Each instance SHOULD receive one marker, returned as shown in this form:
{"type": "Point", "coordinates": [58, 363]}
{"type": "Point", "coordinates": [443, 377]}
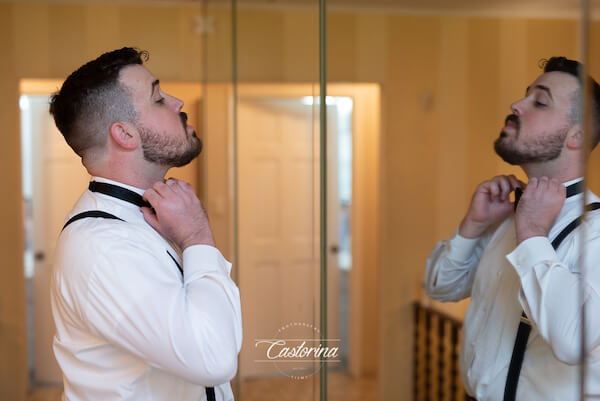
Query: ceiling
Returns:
{"type": "Point", "coordinates": [512, 8]}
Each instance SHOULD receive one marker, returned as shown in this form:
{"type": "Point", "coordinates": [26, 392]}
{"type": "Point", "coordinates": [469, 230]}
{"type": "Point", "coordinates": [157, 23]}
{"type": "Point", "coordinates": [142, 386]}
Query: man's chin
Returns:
{"type": "Point", "coordinates": [506, 154]}
{"type": "Point", "coordinates": [509, 159]}
{"type": "Point", "coordinates": [181, 159]}
{"type": "Point", "coordinates": [190, 155]}
{"type": "Point", "coordinates": [184, 160]}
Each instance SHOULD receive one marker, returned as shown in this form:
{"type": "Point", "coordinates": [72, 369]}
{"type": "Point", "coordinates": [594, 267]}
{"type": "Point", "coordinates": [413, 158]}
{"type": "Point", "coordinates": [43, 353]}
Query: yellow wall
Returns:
{"type": "Point", "coordinates": [13, 369]}
{"type": "Point", "coordinates": [446, 86]}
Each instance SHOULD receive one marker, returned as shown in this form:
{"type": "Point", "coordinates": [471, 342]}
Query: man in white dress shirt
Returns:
{"type": "Point", "coordinates": [143, 302]}
{"type": "Point", "coordinates": [505, 261]}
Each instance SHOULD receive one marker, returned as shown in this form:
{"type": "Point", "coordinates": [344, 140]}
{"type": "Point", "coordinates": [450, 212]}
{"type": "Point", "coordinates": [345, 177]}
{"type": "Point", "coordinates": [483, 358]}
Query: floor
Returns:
{"type": "Point", "coordinates": [45, 394]}
{"type": "Point", "coordinates": [340, 387]}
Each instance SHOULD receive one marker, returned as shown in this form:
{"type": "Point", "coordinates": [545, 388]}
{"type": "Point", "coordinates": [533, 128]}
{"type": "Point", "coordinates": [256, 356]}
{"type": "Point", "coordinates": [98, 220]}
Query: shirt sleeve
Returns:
{"type": "Point", "coordinates": [451, 267]}
{"type": "Point", "coordinates": [191, 329]}
{"type": "Point", "coordinates": [553, 293]}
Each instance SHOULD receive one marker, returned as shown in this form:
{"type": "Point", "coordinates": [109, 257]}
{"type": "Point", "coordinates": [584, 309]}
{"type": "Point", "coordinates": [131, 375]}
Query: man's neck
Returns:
{"type": "Point", "coordinates": [142, 183]}
{"type": "Point", "coordinates": [131, 175]}
{"type": "Point", "coordinates": [556, 172]}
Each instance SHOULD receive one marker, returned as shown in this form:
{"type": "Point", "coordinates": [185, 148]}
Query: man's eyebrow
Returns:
{"type": "Point", "coordinates": [155, 84]}
{"type": "Point", "coordinates": [542, 87]}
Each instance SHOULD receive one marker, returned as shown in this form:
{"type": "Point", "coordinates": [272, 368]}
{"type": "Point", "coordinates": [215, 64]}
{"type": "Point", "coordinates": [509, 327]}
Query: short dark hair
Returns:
{"type": "Point", "coordinates": [575, 68]}
{"type": "Point", "coordinates": [91, 99]}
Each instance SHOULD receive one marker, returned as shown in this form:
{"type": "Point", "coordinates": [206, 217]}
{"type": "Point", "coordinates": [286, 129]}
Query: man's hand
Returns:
{"type": "Point", "coordinates": [179, 215]}
{"type": "Point", "coordinates": [490, 205]}
{"type": "Point", "coordinates": [538, 208]}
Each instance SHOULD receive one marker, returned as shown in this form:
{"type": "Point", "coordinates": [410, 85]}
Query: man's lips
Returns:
{"type": "Point", "coordinates": [512, 122]}
{"type": "Point", "coordinates": [184, 119]}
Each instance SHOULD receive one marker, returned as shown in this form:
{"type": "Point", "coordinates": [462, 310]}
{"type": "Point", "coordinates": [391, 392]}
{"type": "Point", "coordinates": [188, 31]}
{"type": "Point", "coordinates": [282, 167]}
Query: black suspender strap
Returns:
{"type": "Point", "coordinates": [516, 360]}
{"type": "Point", "coordinates": [573, 225]}
{"type": "Point", "coordinates": [176, 262]}
{"type": "Point", "coordinates": [90, 213]}
{"type": "Point", "coordinates": [210, 391]}
{"type": "Point", "coordinates": [210, 394]}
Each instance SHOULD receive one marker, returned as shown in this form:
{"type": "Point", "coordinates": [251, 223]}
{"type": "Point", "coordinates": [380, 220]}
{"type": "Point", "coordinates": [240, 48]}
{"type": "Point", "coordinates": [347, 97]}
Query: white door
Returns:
{"type": "Point", "coordinates": [58, 181]}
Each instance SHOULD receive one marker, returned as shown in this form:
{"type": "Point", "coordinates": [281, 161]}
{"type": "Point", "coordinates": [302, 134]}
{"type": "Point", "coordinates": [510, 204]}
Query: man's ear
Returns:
{"type": "Point", "coordinates": [124, 134]}
{"type": "Point", "coordinates": [575, 137]}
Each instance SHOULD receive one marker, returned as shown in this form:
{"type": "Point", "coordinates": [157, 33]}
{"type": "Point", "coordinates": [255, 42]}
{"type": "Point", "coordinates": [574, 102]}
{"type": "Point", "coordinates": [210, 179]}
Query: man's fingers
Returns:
{"type": "Point", "coordinates": [162, 188]}
{"type": "Point", "coordinates": [184, 190]}
{"type": "Point", "coordinates": [179, 214]}
{"type": "Point", "coordinates": [500, 187]}
{"type": "Point", "coordinates": [151, 196]}
{"type": "Point", "coordinates": [175, 187]}
{"type": "Point", "coordinates": [505, 188]}
{"type": "Point", "coordinates": [532, 185]}
{"type": "Point", "coordinates": [544, 185]}
{"type": "Point", "coordinates": [555, 186]}
{"type": "Point", "coordinates": [185, 186]}
{"type": "Point", "coordinates": [180, 187]}
{"type": "Point", "coordinates": [493, 189]}
{"type": "Point", "coordinates": [515, 182]}
{"type": "Point", "coordinates": [149, 216]}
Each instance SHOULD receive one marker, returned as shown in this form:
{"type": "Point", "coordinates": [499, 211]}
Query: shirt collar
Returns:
{"type": "Point", "coordinates": [566, 184]}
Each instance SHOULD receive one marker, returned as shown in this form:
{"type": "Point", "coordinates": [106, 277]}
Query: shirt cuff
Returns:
{"type": "Point", "coordinates": [199, 260]}
{"type": "Point", "coordinates": [461, 248]}
{"type": "Point", "coordinates": [531, 252]}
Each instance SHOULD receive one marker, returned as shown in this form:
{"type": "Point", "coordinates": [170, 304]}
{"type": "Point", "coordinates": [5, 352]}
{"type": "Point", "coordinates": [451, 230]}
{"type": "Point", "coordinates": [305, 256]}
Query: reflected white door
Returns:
{"type": "Point", "coordinates": [278, 219]}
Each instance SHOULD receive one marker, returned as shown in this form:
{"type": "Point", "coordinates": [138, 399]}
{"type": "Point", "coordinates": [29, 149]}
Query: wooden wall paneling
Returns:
{"type": "Point", "coordinates": [13, 338]}
{"type": "Point", "coordinates": [66, 31]}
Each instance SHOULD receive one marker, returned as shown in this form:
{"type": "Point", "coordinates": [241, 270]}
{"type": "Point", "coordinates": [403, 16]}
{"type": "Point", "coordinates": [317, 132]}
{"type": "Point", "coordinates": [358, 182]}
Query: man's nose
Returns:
{"type": "Point", "coordinates": [516, 107]}
{"type": "Point", "coordinates": [178, 103]}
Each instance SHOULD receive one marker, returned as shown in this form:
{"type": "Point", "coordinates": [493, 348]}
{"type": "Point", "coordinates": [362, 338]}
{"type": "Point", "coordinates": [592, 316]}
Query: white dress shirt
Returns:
{"type": "Point", "coordinates": [503, 279]}
{"type": "Point", "coordinates": [129, 325]}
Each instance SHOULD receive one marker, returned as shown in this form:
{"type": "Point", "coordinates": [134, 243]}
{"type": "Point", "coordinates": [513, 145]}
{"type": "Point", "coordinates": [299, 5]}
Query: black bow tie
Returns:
{"type": "Point", "coordinates": [572, 190]}
{"type": "Point", "coordinates": [118, 192]}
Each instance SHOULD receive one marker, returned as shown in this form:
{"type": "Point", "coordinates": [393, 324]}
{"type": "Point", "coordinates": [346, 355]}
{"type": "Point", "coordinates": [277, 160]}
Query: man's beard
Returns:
{"type": "Point", "coordinates": [541, 150]}
{"type": "Point", "coordinates": [168, 151]}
